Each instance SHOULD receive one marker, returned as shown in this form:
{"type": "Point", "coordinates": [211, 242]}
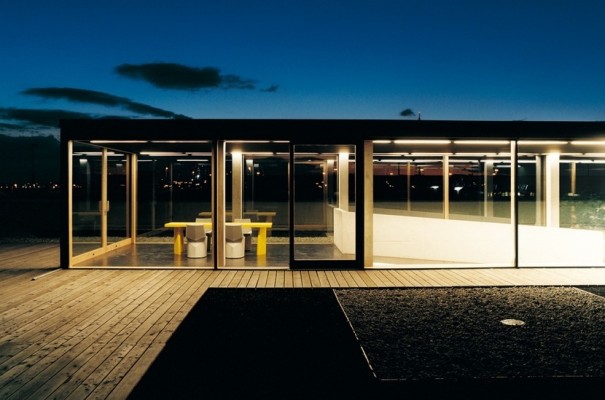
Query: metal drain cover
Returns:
{"type": "Point", "coordinates": [515, 322]}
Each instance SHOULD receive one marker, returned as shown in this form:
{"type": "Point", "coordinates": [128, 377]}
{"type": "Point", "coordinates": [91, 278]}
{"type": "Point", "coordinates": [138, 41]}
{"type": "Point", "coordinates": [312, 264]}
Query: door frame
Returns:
{"type": "Point", "coordinates": [358, 261]}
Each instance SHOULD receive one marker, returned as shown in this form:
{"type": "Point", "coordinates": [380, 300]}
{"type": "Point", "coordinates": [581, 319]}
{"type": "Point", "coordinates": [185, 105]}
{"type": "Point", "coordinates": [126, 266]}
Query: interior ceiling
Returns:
{"type": "Point", "coordinates": [397, 150]}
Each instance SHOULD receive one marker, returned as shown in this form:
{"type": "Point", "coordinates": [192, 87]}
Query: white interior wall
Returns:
{"type": "Point", "coordinates": [472, 241]}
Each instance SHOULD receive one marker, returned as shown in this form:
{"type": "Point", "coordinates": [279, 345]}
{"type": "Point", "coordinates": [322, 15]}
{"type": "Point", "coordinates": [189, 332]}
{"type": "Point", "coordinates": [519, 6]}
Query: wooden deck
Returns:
{"type": "Point", "coordinates": [75, 334]}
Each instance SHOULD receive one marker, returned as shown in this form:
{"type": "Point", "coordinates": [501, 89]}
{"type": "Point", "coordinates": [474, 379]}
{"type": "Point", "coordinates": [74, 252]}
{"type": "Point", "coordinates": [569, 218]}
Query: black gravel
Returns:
{"type": "Point", "coordinates": [432, 337]}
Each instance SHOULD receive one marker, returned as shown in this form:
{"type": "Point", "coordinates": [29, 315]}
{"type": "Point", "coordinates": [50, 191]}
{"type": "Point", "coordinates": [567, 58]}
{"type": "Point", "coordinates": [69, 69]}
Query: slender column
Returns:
{"type": "Point", "coordinates": [573, 177]}
{"type": "Point", "coordinates": [103, 205]}
{"type": "Point", "coordinates": [343, 181]}
{"type": "Point", "coordinates": [134, 194]}
{"type": "Point", "coordinates": [488, 191]}
{"type": "Point", "coordinates": [237, 180]}
{"type": "Point", "coordinates": [368, 204]}
{"type": "Point", "coordinates": [68, 253]}
{"type": "Point", "coordinates": [514, 216]}
{"type": "Point", "coordinates": [552, 190]}
{"type": "Point", "coordinates": [446, 186]}
{"type": "Point", "coordinates": [540, 182]}
{"type": "Point", "coordinates": [408, 179]}
{"type": "Point", "coordinates": [218, 225]}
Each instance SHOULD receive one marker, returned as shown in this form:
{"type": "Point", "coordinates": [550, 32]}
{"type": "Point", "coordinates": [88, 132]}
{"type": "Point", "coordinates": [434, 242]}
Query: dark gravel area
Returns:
{"type": "Point", "coordinates": [405, 344]}
{"type": "Point", "coordinates": [453, 337]}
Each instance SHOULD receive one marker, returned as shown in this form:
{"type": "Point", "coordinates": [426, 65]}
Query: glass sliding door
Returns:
{"type": "Point", "coordinates": [324, 207]}
{"type": "Point", "coordinates": [257, 201]}
{"type": "Point", "coordinates": [86, 173]}
{"type": "Point", "coordinates": [118, 199]}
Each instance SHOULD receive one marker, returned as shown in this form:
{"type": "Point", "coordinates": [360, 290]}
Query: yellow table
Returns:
{"type": "Point", "coordinates": [179, 237]}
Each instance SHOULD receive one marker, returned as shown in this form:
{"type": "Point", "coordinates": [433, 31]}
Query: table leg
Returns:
{"type": "Point", "coordinates": [261, 242]}
{"type": "Point", "coordinates": [179, 241]}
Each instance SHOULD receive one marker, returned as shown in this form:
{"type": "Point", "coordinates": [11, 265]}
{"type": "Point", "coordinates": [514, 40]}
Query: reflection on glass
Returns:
{"type": "Point", "coordinates": [86, 172]}
{"type": "Point", "coordinates": [425, 217]}
{"type": "Point", "coordinates": [257, 192]}
{"type": "Point", "coordinates": [562, 203]}
{"type": "Point", "coordinates": [324, 202]}
{"type": "Point", "coordinates": [117, 196]}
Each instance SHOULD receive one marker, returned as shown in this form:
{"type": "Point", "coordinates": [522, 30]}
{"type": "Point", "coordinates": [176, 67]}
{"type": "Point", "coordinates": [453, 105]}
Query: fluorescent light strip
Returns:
{"type": "Point", "coordinates": [382, 141]}
{"type": "Point", "coordinates": [472, 142]}
{"type": "Point", "coordinates": [180, 141]}
{"type": "Point", "coordinates": [192, 160]}
{"type": "Point", "coordinates": [163, 153]}
{"type": "Point", "coordinates": [541, 142]}
{"type": "Point", "coordinates": [589, 142]}
{"type": "Point", "coordinates": [422, 141]}
{"type": "Point", "coordinates": [477, 154]}
{"type": "Point", "coordinates": [118, 141]}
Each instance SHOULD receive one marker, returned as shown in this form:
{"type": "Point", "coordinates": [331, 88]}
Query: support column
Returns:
{"type": "Point", "coordinates": [103, 204]}
{"type": "Point", "coordinates": [488, 191]}
{"type": "Point", "coordinates": [514, 200]}
{"type": "Point", "coordinates": [408, 182]}
{"type": "Point", "coordinates": [540, 182]}
{"type": "Point", "coordinates": [552, 190]}
{"type": "Point", "coordinates": [343, 181]}
{"type": "Point", "coordinates": [368, 204]}
{"type": "Point", "coordinates": [446, 186]}
{"type": "Point", "coordinates": [237, 179]}
{"type": "Point", "coordinates": [218, 223]}
{"type": "Point", "coordinates": [573, 184]}
{"type": "Point", "coordinates": [134, 194]}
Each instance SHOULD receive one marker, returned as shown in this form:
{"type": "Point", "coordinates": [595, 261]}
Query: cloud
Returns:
{"type": "Point", "coordinates": [271, 89]}
{"type": "Point", "coordinates": [42, 118]}
{"type": "Point", "coordinates": [182, 77]}
{"type": "Point", "coordinates": [104, 99]}
{"type": "Point", "coordinates": [11, 127]}
{"type": "Point", "coordinates": [408, 112]}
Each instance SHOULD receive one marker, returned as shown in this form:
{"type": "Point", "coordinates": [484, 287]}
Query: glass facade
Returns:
{"type": "Point", "coordinates": [561, 203]}
{"type": "Point", "coordinates": [426, 217]}
{"type": "Point", "coordinates": [441, 199]}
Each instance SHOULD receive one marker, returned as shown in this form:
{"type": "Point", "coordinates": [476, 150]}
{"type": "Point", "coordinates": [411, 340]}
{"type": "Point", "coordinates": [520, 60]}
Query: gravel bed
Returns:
{"type": "Point", "coordinates": [456, 333]}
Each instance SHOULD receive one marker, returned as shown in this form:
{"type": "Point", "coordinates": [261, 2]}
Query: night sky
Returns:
{"type": "Point", "coordinates": [462, 60]}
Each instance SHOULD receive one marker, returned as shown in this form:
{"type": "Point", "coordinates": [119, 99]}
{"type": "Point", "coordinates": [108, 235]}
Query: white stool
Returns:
{"type": "Point", "coordinates": [197, 246]}
{"type": "Point", "coordinates": [234, 241]}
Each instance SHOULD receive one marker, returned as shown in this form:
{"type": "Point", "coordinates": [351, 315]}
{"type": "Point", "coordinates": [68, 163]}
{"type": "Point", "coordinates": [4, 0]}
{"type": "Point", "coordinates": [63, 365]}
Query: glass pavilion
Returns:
{"type": "Point", "coordinates": [335, 193]}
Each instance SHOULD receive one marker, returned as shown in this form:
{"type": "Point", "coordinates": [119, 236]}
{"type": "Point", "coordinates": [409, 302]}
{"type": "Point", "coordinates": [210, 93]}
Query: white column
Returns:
{"type": "Point", "coordinates": [237, 161]}
{"type": "Point", "coordinates": [552, 190]}
{"type": "Point", "coordinates": [446, 186]}
{"type": "Point", "coordinates": [343, 181]}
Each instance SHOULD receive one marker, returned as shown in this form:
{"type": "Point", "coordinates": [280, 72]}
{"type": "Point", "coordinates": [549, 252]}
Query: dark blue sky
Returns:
{"type": "Point", "coordinates": [494, 60]}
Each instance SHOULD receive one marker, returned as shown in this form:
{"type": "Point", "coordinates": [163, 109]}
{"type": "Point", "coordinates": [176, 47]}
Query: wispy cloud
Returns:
{"type": "Point", "coordinates": [100, 98]}
{"type": "Point", "coordinates": [270, 89]}
{"type": "Point", "coordinates": [40, 117]}
{"type": "Point", "coordinates": [182, 77]}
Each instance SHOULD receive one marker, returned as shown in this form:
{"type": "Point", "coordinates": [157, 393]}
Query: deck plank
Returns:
{"type": "Point", "coordinates": [92, 333]}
